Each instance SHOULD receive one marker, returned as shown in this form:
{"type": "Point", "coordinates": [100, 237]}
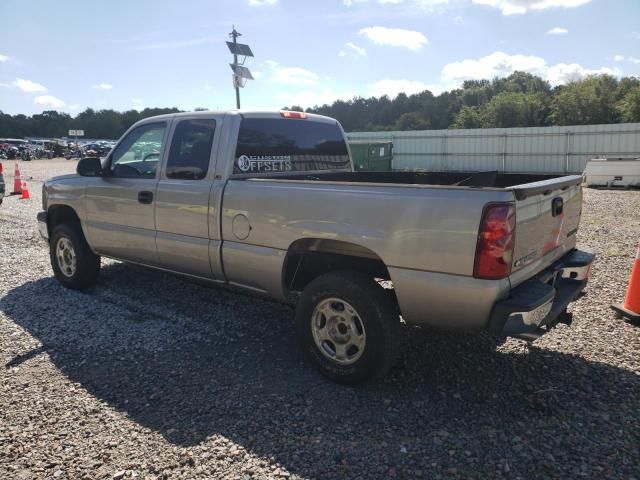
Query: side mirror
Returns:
{"type": "Point", "coordinates": [89, 167]}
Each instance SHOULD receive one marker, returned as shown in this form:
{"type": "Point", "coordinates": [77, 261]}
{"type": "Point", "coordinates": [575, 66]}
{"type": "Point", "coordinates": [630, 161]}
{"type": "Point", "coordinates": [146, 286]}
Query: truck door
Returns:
{"type": "Point", "coordinates": [120, 206]}
{"type": "Point", "coordinates": [182, 198]}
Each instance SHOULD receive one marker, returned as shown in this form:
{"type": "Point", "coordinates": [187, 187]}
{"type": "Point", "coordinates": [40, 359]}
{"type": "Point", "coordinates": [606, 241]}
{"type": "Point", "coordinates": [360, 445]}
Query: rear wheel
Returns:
{"type": "Point", "coordinates": [348, 327]}
{"type": "Point", "coordinates": [74, 264]}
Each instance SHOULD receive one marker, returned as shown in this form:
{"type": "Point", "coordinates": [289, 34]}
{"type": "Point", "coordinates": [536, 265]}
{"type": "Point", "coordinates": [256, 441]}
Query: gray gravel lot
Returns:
{"type": "Point", "coordinates": [152, 376]}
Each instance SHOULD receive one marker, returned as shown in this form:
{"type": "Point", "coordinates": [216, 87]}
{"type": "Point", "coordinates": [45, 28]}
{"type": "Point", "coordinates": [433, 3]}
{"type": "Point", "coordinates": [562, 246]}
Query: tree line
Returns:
{"type": "Point", "coordinates": [519, 100]}
{"type": "Point", "coordinates": [105, 124]}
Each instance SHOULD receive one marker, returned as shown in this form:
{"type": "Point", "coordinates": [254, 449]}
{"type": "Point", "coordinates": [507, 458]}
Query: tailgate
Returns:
{"type": "Point", "coordinates": [547, 216]}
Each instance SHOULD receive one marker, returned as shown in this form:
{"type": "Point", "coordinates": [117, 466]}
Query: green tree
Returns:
{"type": "Point", "coordinates": [411, 121]}
{"type": "Point", "coordinates": [509, 109]}
{"type": "Point", "coordinates": [629, 106]}
{"type": "Point", "coordinates": [468, 117]}
{"type": "Point", "coordinates": [587, 102]}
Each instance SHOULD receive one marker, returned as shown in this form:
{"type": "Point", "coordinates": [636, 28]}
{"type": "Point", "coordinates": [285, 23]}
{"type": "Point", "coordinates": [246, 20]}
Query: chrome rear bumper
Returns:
{"type": "Point", "coordinates": [539, 304]}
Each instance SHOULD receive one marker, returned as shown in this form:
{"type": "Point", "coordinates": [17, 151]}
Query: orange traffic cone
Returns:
{"type": "Point", "coordinates": [25, 192]}
{"type": "Point", "coordinates": [630, 309]}
{"type": "Point", "coordinates": [17, 181]}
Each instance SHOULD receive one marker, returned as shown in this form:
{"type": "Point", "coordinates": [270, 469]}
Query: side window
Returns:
{"type": "Point", "coordinates": [191, 149]}
{"type": "Point", "coordinates": [139, 153]}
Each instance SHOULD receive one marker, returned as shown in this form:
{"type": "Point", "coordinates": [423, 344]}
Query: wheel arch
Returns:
{"type": "Point", "coordinates": [59, 214]}
{"type": "Point", "coordinates": [309, 258]}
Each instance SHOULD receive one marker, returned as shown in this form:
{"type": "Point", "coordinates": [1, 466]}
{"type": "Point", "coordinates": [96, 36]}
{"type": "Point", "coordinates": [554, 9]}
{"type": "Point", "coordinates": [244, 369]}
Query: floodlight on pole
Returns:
{"type": "Point", "coordinates": [240, 74]}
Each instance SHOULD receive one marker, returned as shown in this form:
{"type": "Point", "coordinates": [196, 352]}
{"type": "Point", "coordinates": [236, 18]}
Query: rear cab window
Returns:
{"type": "Point", "coordinates": [268, 145]}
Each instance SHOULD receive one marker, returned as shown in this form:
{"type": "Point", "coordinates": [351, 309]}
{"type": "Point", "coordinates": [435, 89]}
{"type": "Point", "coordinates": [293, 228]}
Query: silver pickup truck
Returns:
{"type": "Point", "coordinates": [269, 202]}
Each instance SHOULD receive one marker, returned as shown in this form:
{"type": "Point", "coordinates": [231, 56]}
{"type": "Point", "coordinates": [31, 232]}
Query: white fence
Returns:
{"type": "Point", "coordinates": [537, 149]}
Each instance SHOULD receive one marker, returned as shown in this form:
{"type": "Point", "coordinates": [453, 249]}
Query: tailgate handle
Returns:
{"type": "Point", "coordinates": [557, 205]}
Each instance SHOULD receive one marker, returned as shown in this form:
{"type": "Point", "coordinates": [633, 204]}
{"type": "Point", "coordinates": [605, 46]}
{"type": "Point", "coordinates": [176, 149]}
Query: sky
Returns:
{"type": "Point", "coordinates": [68, 55]}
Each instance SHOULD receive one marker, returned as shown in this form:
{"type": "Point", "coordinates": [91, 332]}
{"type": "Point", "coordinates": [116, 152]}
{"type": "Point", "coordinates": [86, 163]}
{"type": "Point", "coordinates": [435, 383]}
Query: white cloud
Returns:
{"type": "Point", "coordinates": [395, 37]}
{"type": "Point", "coordinates": [103, 86]}
{"type": "Point", "coordinates": [312, 98]}
{"type": "Point", "coordinates": [517, 7]}
{"type": "Point", "coordinates": [74, 106]}
{"type": "Point", "coordinates": [500, 64]}
{"type": "Point", "coordinates": [353, 47]}
{"type": "Point", "coordinates": [138, 104]}
{"type": "Point", "coordinates": [3, 58]}
{"type": "Point", "coordinates": [621, 58]}
{"type": "Point", "coordinates": [48, 101]}
{"type": "Point", "coordinates": [193, 42]}
{"type": "Point", "coordinates": [458, 20]}
{"type": "Point", "coordinates": [564, 73]}
{"type": "Point", "coordinates": [260, 3]}
{"type": "Point", "coordinates": [289, 75]}
{"type": "Point", "coordinates": [5, 85]}
{"type": "Point", "coordinates": [424, 4]}
{"type": "Point", "coordinates": [28, 86]}
{"type": "Point", "coordinates": [295, 76]}
{"type": "Point", "coordinates": [393, 87]}
{"type": "Point", "coordinates": [635, 35]}
{"type": "Point", "coordinates": [558, 31]}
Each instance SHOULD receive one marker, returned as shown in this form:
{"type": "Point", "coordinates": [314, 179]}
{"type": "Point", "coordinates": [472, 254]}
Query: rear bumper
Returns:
{"type": "Point", "coordinates": [539, 304]}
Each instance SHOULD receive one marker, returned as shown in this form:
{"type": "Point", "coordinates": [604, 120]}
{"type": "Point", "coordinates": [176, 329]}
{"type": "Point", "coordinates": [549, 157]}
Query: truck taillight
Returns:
{"type": "Point", "coordinates": [287, 114]}
{"type": "Point", "coordinates": [1, 167]}
{"type": "Point", "coordinates": [496, 240]}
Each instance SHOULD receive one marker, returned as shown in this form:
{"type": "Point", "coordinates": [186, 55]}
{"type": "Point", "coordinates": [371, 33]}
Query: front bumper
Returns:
{"type": "Point", "coordinates": [539, 304]}
{"type": "Point", "coordinates": [43, 225]}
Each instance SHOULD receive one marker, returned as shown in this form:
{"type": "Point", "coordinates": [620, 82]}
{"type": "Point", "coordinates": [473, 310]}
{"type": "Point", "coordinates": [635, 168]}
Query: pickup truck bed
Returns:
{"type": "Point", "coordinates": [522, 184]}
{"type": "Point", "coordinates": [422, 227]}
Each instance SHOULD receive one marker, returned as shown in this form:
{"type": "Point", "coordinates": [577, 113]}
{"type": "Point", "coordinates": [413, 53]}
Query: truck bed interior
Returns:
{"type": "Point", "coordinates": [491, 179]}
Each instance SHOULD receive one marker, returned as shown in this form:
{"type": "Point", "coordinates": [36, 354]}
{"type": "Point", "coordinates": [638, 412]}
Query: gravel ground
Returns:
{"type": "Point", "coordinates": [152, 376]}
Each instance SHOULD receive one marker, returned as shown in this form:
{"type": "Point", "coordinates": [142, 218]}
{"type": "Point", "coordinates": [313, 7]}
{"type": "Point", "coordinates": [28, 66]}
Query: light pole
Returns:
{"type": "Point", "coordinates": [234, 34]}
{"type": "Point", "coordinates": [240, 73]}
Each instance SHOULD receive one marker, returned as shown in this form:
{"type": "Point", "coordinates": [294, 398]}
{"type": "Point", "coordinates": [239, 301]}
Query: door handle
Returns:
{"type": "Point", "coordinates": [145, 197]}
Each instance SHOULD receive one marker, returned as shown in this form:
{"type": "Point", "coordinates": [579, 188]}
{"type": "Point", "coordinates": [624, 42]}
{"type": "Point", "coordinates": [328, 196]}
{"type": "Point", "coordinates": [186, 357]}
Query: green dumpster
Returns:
{"type": "Point", "coordinates": [371, 156]}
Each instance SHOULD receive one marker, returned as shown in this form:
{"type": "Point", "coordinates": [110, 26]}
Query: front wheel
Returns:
{"type": "Point", "coordinates": [348, 327]}
{"type": "Point", "coordinates": [74, 264]}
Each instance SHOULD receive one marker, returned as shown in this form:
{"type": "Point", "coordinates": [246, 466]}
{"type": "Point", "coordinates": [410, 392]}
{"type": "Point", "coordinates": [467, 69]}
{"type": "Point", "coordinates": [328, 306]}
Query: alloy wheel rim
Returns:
{"type": "Point", "coordinates": [66, 256]}
{"type": "Point", "coordinates": [338, 331]}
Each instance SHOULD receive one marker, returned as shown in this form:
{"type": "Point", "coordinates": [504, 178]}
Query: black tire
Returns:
{"type": "Point", "coordinates": [377, 314]}
{"type": "Point", "coordinates": [87, 263]}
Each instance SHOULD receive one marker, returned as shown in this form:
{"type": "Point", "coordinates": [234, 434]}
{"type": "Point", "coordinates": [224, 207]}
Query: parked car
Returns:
{"type": "Point", "coordinates": [270, 202]}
